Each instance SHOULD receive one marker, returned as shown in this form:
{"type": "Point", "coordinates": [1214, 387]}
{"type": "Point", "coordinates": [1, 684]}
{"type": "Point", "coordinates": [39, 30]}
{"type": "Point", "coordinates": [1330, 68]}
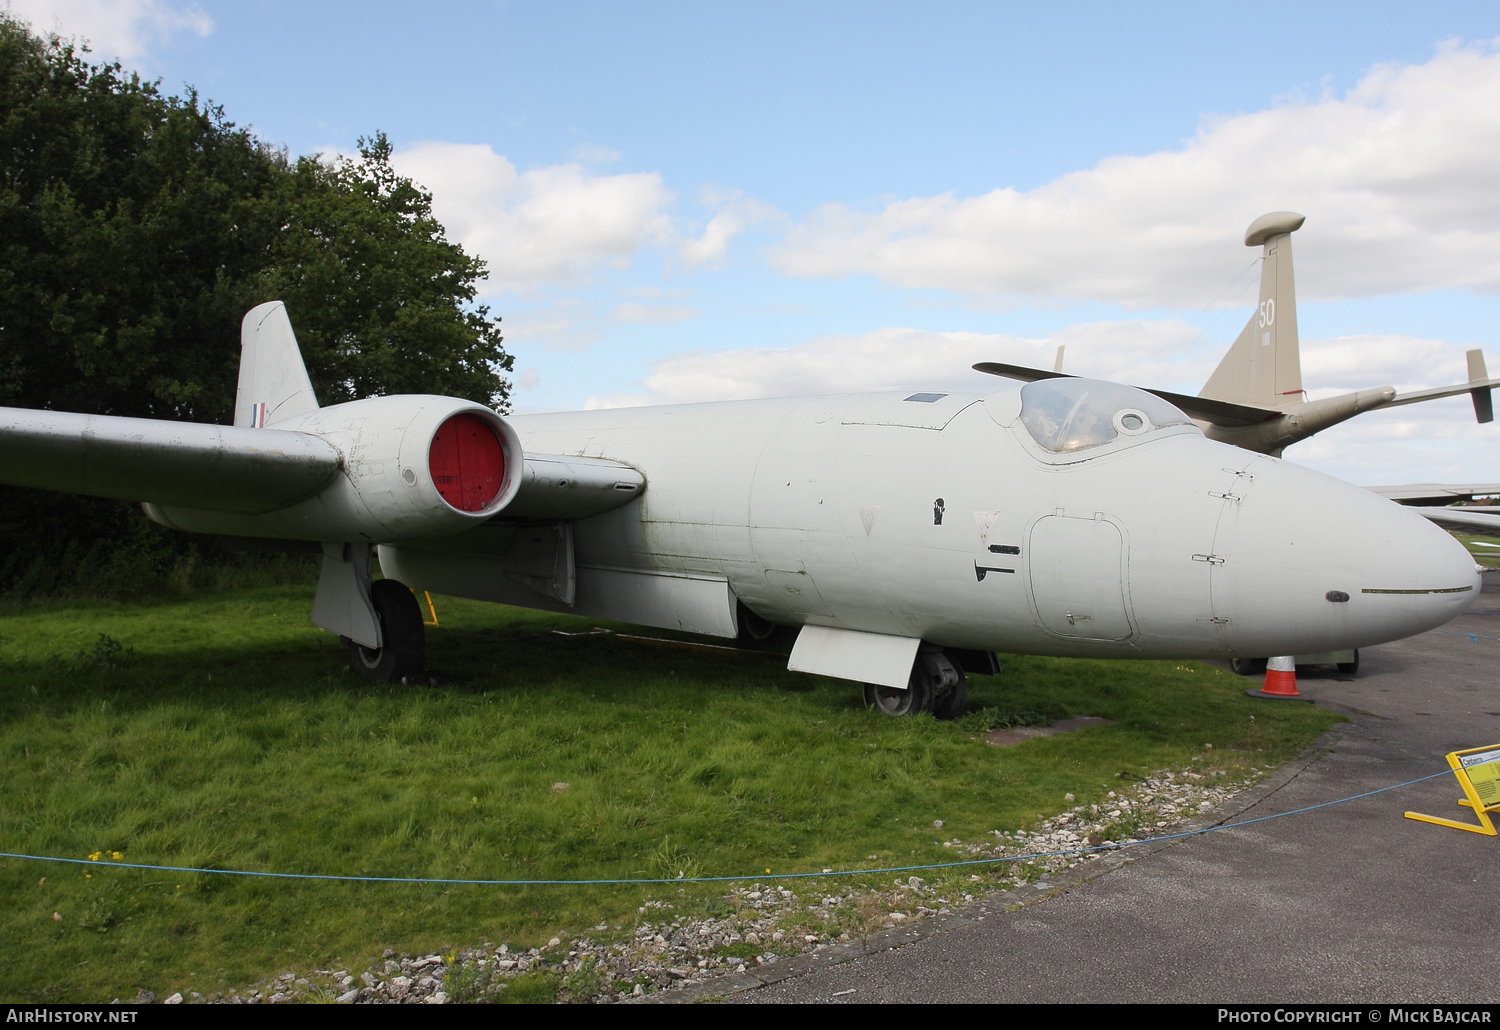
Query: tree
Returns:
{"type": "Point", "coordinates": [380, 300]}
{"type": "Point", "coordinates": [136, 229]}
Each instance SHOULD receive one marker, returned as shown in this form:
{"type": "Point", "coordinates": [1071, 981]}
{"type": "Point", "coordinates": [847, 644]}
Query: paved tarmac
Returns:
{"type": "Point", "coordinates": [1349, 904]}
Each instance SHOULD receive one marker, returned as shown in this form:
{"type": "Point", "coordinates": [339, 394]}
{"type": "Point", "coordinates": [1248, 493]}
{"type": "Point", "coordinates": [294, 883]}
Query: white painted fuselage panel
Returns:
{"type": "Point", "coordinates": [951, 525]}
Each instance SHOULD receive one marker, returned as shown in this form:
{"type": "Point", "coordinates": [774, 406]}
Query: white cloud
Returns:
{"type": "Point", "coordinates": [1397, 178]}
{"type": "Point", "coordinates": [653, 314]}
{"type": "Point", "coordinates": [906, 359]}
{"type": "Point", "coordinates": [548, 224]}
{"type": "Point", "coordinates": [567, 325]}
{"type": "Point", "coordinates": [596, 154]}
{"type": "Point", "coordinates": [529, 379]}
{"type": "Point", "coordinates": [1346, 363]}
{"type": "Point", "coordinates": [572, 324]}
{"type": "Point", "coordinates": [735, 214]}
{"type": "Point", "coordinates": [123, 29]}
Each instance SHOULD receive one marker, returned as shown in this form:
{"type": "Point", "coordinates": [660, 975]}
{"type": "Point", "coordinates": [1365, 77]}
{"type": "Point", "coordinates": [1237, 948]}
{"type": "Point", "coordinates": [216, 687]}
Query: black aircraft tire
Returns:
{"type": "Point", "coordinates": [950, 706]}
{"type": "Point", "coordinates": [757, 634]}
{"type": "Point", "coordinates": [1248, 666]}
{"type": "Point", "coordinates": [404, 640]}
{"type": "Point", "coordinates": [1350, 668]}
{"type": "Point", "coordinates": [898, 703]}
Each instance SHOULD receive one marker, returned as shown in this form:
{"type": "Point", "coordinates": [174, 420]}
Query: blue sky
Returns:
{"type": "Point", "coordinates": [696, 201]}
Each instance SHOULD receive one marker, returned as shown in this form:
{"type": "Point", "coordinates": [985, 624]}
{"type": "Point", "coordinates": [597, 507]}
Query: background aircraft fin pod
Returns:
{"type": "Point", "coordinates": [1264, 366]}
{"type": "Point", "coordinates": [273, 382]}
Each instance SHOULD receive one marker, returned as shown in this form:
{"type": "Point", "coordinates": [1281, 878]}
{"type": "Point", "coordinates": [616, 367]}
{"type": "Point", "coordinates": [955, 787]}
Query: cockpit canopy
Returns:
{"type": "Point", "coordinates": [1066, 415]}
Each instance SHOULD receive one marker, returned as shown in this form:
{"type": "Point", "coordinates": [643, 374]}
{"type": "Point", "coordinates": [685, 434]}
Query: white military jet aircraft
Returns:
{"type": "Point", "coordinates": [906, 537]}
{"type": "Point", "coordinates": [1255, 399]}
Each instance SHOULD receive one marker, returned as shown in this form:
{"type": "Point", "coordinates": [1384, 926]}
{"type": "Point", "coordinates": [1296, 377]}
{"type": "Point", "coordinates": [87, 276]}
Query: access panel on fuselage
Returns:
{"type": "Point", "coordinates": [922, 509]}
{"type": "Point", "coordinates": [1077, 569]}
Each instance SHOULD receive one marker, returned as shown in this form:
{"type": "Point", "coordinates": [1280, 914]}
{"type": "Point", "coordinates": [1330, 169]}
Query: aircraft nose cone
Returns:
{"type": "Point", "coordinates": [1320, 565]}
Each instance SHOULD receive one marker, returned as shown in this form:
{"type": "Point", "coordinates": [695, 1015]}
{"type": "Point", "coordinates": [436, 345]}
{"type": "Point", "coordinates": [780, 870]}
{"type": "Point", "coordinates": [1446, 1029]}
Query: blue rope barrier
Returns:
{"type": "Point", "coordinates": [717, 879]}
{"type": "Point", "coordinates": [1473, 637]}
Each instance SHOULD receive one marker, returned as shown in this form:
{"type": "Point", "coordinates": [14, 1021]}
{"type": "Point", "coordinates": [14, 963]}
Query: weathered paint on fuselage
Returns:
{"type": "Point", "coordinates": [823, 511]}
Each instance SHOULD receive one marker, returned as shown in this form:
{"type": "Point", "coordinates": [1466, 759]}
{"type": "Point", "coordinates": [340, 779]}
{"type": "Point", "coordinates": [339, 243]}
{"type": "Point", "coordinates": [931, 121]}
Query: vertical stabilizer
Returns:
{"type": "Point", "coordinates": [273, 381]}
{"type": "Point", "coordinates": [1264, 367]}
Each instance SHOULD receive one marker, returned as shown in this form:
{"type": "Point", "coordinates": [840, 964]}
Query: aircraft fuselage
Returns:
{"type": "Point", "coordinates": [945, 520]}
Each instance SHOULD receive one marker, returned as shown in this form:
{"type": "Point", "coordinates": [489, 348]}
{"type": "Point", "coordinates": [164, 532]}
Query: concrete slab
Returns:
{"type": "Point", "coordinates": [1349, 904]}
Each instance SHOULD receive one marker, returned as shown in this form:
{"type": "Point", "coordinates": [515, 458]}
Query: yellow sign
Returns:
{"type": "Point", "coordinates": [1478, 772]}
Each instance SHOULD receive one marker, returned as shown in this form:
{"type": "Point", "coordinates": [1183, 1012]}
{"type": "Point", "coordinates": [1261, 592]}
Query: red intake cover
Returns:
{"type": "Point", "coordinates": [466, 462]}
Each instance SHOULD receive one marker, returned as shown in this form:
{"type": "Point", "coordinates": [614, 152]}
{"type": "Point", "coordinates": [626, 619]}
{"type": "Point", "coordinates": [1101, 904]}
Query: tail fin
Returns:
{"type": "Point", "coordinates": [1264, 367]}
{"type": "Point", "coordinates": [273, 381]}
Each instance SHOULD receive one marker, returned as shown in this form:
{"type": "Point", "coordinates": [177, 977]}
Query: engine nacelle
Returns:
{"type": "Point", "coordinates": [413, 466]}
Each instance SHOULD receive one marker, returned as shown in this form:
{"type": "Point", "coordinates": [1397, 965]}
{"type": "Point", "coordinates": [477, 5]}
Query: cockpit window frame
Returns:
{"type": "Point", "coordinates": [1096, 435]}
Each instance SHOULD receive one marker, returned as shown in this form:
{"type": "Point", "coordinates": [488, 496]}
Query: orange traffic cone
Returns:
{"type": "Point", "coordinates": [1281, 680]}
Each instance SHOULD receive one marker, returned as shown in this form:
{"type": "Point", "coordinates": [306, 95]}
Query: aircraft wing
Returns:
{"type": "Point", "coordinates": [219, 468]}
{"type": "Point", "coordinates": [1474, 521]}
{"type": "Point", "coordinates": [1219, 413]}
{"type": "Point", "coordinates": [1482, 403]}
{"type": "Point", "coordinates": [1435, 494]}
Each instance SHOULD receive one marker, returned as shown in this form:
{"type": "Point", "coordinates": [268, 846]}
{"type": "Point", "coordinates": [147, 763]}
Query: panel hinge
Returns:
{"type": "Point", "coordinates": [1212, 559]}
{"type": "Point", "coordinates": [1228, 497]}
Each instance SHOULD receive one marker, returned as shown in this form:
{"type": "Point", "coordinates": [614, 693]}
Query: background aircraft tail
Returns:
{"type": "Point", "coordinates": [273, 382]}
{"type": "Point", "coordinates": [1264, 367]}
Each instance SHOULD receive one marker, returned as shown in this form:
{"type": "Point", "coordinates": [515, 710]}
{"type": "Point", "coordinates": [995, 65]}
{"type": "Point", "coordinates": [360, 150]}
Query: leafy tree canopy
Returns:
{"type": "Point", "coordinates": [136, 229]}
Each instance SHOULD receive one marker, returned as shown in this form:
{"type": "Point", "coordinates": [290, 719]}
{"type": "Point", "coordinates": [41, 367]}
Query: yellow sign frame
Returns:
{"type": "Point", "coordinates": [1478, 772]}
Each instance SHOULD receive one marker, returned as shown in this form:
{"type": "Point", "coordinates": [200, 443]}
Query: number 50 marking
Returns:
{"type": "Point", "coordinates": [1267, 313]}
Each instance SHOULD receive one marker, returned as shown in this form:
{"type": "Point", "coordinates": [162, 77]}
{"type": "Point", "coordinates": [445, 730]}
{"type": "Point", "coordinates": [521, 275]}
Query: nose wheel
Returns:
{"type": "Point", "coordinates": [936, 685]}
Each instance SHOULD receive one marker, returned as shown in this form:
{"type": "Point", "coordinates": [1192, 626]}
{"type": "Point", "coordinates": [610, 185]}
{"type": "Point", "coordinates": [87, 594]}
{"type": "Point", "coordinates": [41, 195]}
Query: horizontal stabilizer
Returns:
{"type": "Point", "coordinates": [1021, 372]}
{"type": "Point", "coordinates": [218, 468]}
{"type": "Point", "coordinates": [1415, 396]}
{"type": "Point", "coordinates": [1206, 409]}
{"type": "Point", "coordinates": [1220, 413]}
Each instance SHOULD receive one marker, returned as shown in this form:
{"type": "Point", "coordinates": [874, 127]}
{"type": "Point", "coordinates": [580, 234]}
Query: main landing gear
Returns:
{"type": "Point", "coordinates": [758, 634]}
{"type": "Point", "coordinates": [937, 685]}
{"type": "Point", "coordinates": [404, 641]}
{"type": "Point", "coordinates": [1257, 666]}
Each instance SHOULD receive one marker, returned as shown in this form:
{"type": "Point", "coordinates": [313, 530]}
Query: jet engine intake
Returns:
{"type": "Point", "coordinates": [412, 466]}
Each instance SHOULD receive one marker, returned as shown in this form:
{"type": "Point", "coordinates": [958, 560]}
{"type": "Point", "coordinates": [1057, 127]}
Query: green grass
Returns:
{"type": "Point", "coordinates": [1482, 548]}
{"type": "Point", "coordinates": [224, 731]}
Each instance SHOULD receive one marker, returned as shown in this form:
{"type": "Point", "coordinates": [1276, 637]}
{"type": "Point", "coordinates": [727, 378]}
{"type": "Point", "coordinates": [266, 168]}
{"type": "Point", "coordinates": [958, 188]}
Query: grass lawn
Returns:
{"type": "Point", "coordinates": [1486, 550]}
{"type": "Point", "coordinates": [225, 731]}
